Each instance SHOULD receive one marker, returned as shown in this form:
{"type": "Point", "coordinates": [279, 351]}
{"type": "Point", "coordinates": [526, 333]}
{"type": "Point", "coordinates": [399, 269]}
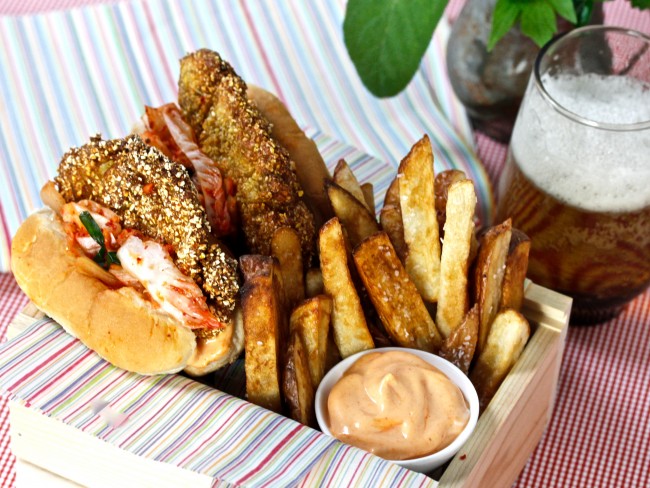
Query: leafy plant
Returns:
{"type": "Point", "coordinates": [386, 39]}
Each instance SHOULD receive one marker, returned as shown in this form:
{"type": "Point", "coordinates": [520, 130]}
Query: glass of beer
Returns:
{"type": "Point", "coordinates": [577, 178]}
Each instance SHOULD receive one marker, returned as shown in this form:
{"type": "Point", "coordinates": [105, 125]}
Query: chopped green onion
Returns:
{"type": "Point", "coordinates": [92, 227]}
{"type": "Point", "coordinates": [103, 258]}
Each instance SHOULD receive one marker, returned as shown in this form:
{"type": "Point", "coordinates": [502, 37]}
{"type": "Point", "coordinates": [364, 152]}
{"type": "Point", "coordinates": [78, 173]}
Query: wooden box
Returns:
{"type": "Point", "coordinates": [512, 425]}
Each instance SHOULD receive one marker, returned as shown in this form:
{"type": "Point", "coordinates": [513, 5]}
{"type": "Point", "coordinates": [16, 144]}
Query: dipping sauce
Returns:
{"type": "Point", "coordinates": [396, 406]}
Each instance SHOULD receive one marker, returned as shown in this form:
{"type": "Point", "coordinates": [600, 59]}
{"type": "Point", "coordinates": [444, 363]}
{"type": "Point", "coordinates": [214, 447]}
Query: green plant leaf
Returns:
{"type": "Point", "coordinates": [640, 4]}
{"type": "Point", "coordinates": [504, 17]}
{"type": "Point", "coordinates": [386, 40]}
{"type": "Point", "coordinates": [565, 8]}
{"type": "Point", "coordinates": [583, 9]}
{"type": "Point", "coordinates": [538, 22]}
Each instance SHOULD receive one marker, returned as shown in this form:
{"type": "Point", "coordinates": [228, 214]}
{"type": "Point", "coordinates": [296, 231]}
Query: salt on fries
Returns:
{"type": "Point", "coordinates": [421, 233]}
{"type": "Point", "coordinates": [351, 333]}
{"type": "Point", "coordinates": [390, 282]}
{"type": "Point", "coordinates": [394, 295]}
{"type": "Point", "coordinates": [453, 299]}
{"type": "Point", "coordinates": [505, 342]}
{"type": "Point", "coordinates": [264, 327]}
{"type": "Point", "coordinates": [489, 271]}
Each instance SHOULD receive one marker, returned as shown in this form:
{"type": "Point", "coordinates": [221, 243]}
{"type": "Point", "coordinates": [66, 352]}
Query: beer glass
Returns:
{"type": "Point", "coordinates": [577, 177]}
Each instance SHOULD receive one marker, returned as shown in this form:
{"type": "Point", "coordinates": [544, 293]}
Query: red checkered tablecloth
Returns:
{"type": "Point", "coordinates": [599, 434]}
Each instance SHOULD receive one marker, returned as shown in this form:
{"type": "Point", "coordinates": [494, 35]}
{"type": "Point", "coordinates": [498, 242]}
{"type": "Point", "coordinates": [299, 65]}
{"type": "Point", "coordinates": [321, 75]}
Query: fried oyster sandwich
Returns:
{"type": "Point", "coordinates": [130, 257]}
{"type": "Point", "coordinates": [232, 132]}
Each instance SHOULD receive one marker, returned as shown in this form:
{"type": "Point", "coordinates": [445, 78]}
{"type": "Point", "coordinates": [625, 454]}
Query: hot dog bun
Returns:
{"type": "Point", "coordinates": [118, 323]}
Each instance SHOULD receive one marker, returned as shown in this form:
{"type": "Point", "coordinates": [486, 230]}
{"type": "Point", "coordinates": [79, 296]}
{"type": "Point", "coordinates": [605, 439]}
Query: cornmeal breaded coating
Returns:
{"type": "Point", "coordinates": [231, 131]}
{"type": "Point", "coordinates": [156, 196]}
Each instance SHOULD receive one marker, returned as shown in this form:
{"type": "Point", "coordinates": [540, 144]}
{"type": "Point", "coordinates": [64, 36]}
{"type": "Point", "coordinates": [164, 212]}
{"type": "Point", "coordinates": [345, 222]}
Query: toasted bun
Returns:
{"type": "Point", "coordinates": [310, 166]}
{"type": "Point", "coordinates": [210, 355]}
{"type": "Point", "coordinates": [117, 323]}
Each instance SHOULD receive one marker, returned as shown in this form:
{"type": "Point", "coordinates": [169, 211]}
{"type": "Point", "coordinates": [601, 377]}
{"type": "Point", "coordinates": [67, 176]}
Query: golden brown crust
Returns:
{"type": "Point", "coordinates": [232, 131]}
{"type": "Point", "coordinates": [309, 164]}
{"type": "Point", "coordinates": [156, 196]}
{"type": "Point", "coordinates": [119, 324]}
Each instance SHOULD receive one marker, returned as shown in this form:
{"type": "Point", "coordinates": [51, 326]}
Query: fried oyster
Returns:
{"type": "Point", "coordinates": [156, 196]}
{"type": "Point", "coordinates": [232, 132]}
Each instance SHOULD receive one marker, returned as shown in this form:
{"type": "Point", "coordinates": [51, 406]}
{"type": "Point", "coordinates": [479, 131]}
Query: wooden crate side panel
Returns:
{"type": "Point", "coordinates": [515, 419]}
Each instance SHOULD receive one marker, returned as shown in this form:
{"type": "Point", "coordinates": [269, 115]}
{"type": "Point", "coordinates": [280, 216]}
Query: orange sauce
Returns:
{"type": "Point", "coordinates": [397, 406]}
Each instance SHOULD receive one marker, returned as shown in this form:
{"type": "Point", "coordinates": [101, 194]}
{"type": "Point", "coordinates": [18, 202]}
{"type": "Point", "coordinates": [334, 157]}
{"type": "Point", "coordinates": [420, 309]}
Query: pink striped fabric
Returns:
{"type": "Point", "coordinates": [12, 300]}
{"type": "Point", "coordinates": [599, 433]}
{"type": "Point", "coordinates": [77, 72]}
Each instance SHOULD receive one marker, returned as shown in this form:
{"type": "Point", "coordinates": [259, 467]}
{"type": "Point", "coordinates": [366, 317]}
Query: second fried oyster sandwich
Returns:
{"type": "Point", "coordinates": [231, 130]}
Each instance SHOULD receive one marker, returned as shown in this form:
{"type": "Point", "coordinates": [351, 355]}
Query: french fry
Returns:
{"type": "Point", "coordinates": [344, 177]}
{"type": "Point", "coordinates": [442, 183]}
{"type": "Point", "coordinates": [488, 276]}
{"type": "Point", "coordinates": [313, 282]}
{"type": "Point", "coordinates": [394, 295]}
{"type": "Point", "coordinates": [512, 294]}
{"type": "Point", "coordinates": [348, 321]}
{"type": "Point", "coordinates": [333, 354]}
{"type": "Point", "coordinates": [453, 295]}
{"type": "Point", "coordinates": [369, 195]}
{"type": "Point", "coordinates": [421, 233]}
{"type": "Point", "coordinates": [285, 246]}
{"type": "Point", "coordinates": [390, 218]}
{"type": "Point", "coordinates": [460, 346]}
{"type": "Point", "coordinates": [264, 324]}
{"type": "Point", "coordinates": [392, 193]}
{"type": "Point", "coordinates": [311, 319]}
{"type": "Point", "coordinates": [297, 385]}
{"type": "Point", "coordinates": [357, 220]}
{"type": "Point", "coordinates": [508, 336]}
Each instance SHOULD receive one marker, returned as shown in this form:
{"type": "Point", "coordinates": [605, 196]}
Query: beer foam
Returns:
{"type": "Point", "coordinates": [589, 168]}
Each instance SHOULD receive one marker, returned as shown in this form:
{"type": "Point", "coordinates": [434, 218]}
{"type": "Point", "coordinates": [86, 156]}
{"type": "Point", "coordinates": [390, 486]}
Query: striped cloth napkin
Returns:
{"type": "Point", "coordinates": [169, 419]}
{"type": "Point", "coordinates": [68, 75]}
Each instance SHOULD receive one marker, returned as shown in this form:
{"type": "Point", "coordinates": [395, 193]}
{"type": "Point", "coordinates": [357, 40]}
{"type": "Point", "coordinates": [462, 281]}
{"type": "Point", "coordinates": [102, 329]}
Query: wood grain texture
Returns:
{"type": "Point", "coordinates": [514, 421]}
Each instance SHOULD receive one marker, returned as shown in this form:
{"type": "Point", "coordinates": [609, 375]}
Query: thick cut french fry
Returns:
{"type": "Point", "coordinates": [442, 183]}
{"type": "Point", "coordinates": [311, 319]}
{"type": "Point", "coordinates": [453, 295]}
{"type": "Point", "coordinates": [390, 217]}
{"type": "Point", "coordinates": [313, 282]}
{"type": "Point", "coordinates": [392, 193]}
{"type": "Point", "coordinates": [348, 320]}
{"type": "Point", "coordinates": [421, 233]}
{"type": "Point", "coordinates": [394, 295]}
{"type": "Point", "coordinates": [297, 385]}
{"type": "Point", "coordinates": [264, 323]}
{"type": "Point", "coordinates": [344, 177]}
{"type": "Point", "coordinates": [488, 276]}
{"type": "Point", "coordinates": [512, 294]}
{"type": "Point", "coordinates": [357, 220]}
{"type": "Point", "coordinates": [508, 336]}
{"type": "Point", "coordinates": [369, 195]}
{"type": "Point", "coordinates": [459, 347]}
{"type": "Point", "coordinates": [285, 246]}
